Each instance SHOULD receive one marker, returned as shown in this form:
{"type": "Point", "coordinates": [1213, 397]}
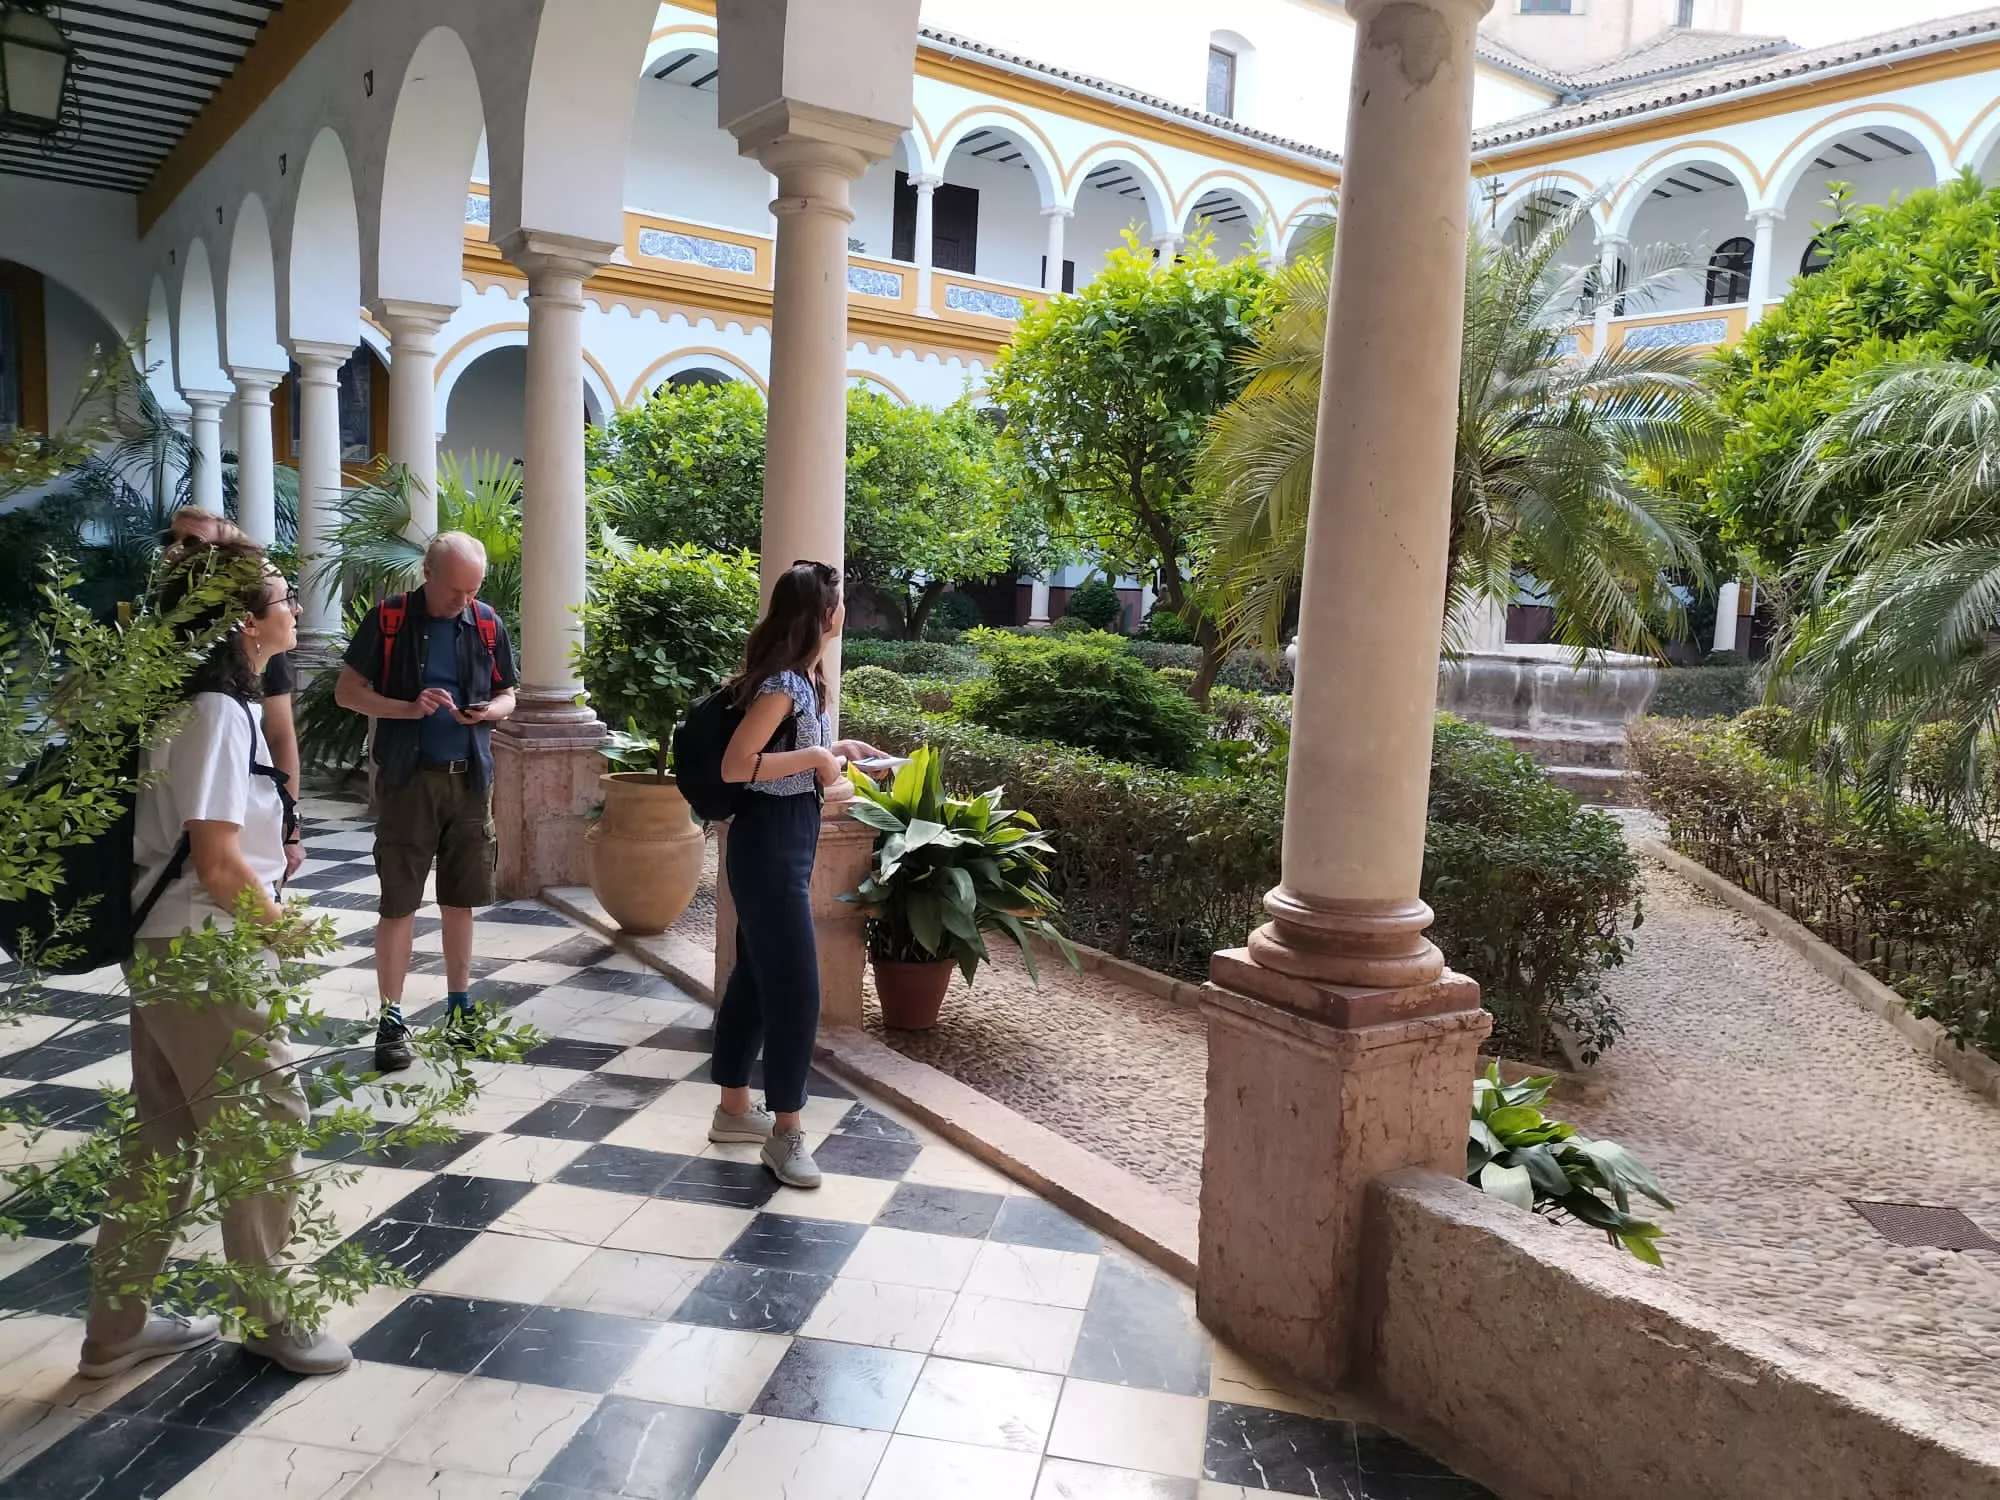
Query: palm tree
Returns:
{"type": "Point", "coordinates": [1902, 621]}
{"type": "Point", "coordinates": [1551, 449]}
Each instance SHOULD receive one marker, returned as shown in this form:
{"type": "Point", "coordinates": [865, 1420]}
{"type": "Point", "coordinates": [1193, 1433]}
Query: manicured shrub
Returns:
{"type": "Point", "coordinates": [1181, 678]}
{"type": "Point", "coordinates": [877, 685]}
{"type": "Point", "coordinates": [934, 695]}
{"type": "Point", "coordinates": [954, 611]}
{"type": "Point", "coordinates": [1079, 692]}
{"type": "Point", "coordinates": [1770, 727]}
{"type": "Point", "coordinates": [911, 658]}
{"type": "Point", "coordinates": [1705, 692]}
{"type": "Point", "coordinates": [1167, 628]}
{"type": "Point", "coordinates": [1096, 604]}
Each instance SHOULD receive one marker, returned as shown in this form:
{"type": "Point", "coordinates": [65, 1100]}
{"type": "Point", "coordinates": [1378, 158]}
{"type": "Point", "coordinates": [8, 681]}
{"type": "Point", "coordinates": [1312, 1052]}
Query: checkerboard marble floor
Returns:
{"type": "Point", "coordinates": [606, 1305]}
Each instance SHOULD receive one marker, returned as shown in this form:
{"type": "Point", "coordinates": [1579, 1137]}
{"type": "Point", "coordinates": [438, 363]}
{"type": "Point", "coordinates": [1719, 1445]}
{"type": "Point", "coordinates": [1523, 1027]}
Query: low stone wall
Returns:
{"type": "Point", "coordinates": [1561, 1371]}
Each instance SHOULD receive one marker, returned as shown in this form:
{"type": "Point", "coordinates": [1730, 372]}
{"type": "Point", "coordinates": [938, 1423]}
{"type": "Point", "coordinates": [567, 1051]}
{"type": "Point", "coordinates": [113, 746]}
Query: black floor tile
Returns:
{"type": "Point", "coordinates": [525, 916]}
{"type": "Point", "coordinates": [847, 1385]}
{"type": "Point", "coordinates": [326, 878]}
{"type": "Point", "coordinates": [219, 1387]}
{"type": "Point", "coordinates": [614, 1091]}
{"type": "Point", "coordinates": [1392, 1469]}
{"type": "Point", "coordinates": [433, 1156]}
{"type": "Point", "coordinates": [38, 1220]}
{"type": "Point", "coordinates": [577, 1351]}
{"type": "Point", "coordinates": [682, 1038]}
{"type": "Point", "coordinates": [58, 1283]}
{"type": "Point", "coordinates": [1136, 1333]}
{"type": "Point", "coordinates": [824, 1086]}
{"type": "Point", "coordinates": [865, 1156]}
{"type": "Point", "coordinates": [623, 1169]}
{"type": "Point", "coordinates": [502, 994]}
{"type": "Point", "coordinates": [581, 952]}
{"type": "Point", "coordinates": [627, 982]}
{"type": "Point", "coordinates": [461, 1202]}
{"type": "Point", "coordinates": [59, 1105]}
{"type": "Point", "coordinates": [414, 1249]}
{"type": "Point", "coordinates": [710, 1179]}
{"type": "Point", "coordinates": [753, 1299]}
{"type": "Point", "coordinates": [476, 969]}
{"type": "Point", "coordinates": [1279, 1450]}
{"type": "Point", "coordinates": [861, 1120]}
{"type": "Point", "coordinates": [115, 1458]}
{"type": "Point", "coordinates": [346, 900]}
{"type": "Point", "coordinates": [1030, 1221]}
{"type": "Point", "coordinates": [785, 1243]}
{"type": "Point", "coordinates": [433, 1332]}
{"type": "Point", "coordinates": [638, 1448]}
{"type": "Point", "coordinates": [573, 1052]}
{"type": "Point", "coordinates": [74, 1049]}
{"type": "Point", "coordinates": [80, 1005]}
{"type": "Point", "coordinates": [941, 1210]}
{"type": "Point", "coordinates": [570, 1122]}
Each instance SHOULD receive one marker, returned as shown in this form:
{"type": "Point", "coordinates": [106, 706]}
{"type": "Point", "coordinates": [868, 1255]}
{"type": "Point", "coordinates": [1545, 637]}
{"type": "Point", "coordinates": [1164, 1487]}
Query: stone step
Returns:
{"type": "Point", "coordinates": [1601, 786]}
{"type": "Point", "coordinates": [1606, 751]}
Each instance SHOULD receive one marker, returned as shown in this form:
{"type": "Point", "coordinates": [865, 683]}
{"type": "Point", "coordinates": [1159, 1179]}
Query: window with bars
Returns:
{"type": "Point", "coordinates": [1729, 272]}
{"type": "Point", "coordinates": [1221, 82]}
{"type": "Point", "coordinates": [1816, 257]}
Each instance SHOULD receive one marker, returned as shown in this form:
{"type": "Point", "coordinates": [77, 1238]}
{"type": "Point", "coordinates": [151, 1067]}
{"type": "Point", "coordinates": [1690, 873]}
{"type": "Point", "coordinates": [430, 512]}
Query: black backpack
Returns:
{"type": "Point", "coordinates": [700, 740]}
{"type": "Point", "coordinates": [100, 872]}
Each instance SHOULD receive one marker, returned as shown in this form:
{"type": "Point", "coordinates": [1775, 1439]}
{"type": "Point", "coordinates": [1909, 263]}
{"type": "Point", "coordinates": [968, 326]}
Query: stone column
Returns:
{"type": "Point", "coordinates": [1168, 246]}
{"type": "Point", "coordinates": [1728, 600]}
{"type": "Point", "coordinates": [413, 426]}
{"type": "Point", "coordinates": [1038, 601]}
{"type": "Point", "coordinates": [1340, 1046]}
{"type": "Point", "coordinates": [256, 481]}
{"type": "Point", "coordinates": [1058, 218]}
{"type": "Point", "coordinates": [545, 757]}
{"type": "Point", "coordinates": [205, 427]}
{"type": "Point", "coordinates": [925, 249]}
{"type": "Point", "coordinates": [319, 483]}
{"type": "Point", "coordinates": [1765, 227]}
{"type": "Point", "coordinates": [1610, 251]}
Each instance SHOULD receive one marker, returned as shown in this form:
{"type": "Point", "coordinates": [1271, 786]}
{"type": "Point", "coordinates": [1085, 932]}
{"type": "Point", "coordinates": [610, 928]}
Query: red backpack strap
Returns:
{"type": "Point", "coordinates": [391, 612]}
{"type": "Point", "coordinates": [489, 632]}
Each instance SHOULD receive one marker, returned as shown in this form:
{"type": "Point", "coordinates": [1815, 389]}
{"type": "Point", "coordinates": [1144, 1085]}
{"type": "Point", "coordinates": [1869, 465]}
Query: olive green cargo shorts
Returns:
{"type": "Point", "coordinates": [441, 817]}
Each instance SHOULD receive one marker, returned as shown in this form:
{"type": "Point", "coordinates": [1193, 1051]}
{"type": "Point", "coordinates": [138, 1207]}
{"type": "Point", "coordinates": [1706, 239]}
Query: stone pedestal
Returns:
{"type": "Point", "coordinates": [839, 930]}
{"type": "Point", "coordinates": [1313, 1090]}
{"type": "Point", "coordinates": [544, 781]}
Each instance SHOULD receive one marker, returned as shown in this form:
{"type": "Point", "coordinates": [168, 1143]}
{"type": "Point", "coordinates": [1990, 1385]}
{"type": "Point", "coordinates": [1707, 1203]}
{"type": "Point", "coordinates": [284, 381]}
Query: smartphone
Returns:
{"type": "Point", "coordinates": [876, 765]}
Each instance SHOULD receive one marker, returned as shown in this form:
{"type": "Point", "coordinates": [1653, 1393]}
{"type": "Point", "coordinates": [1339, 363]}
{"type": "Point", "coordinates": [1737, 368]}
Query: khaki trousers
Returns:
{"type": "Point", "coordinates": [177, 1049]}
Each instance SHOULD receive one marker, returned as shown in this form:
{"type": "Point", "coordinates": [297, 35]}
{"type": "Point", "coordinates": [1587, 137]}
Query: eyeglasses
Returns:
{"type": "Point", "coordinates": [289, 600]}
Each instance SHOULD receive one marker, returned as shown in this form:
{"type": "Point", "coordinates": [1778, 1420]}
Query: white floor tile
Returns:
{"type": "Point", "coordinates": [769, 1457]}
{"type": "Point", "coordinates": [496, 1427]}
{"type": "Point", "coordinates": [915, 1468]}
{"type": "Point", "coordinates": [1023, 1273]}
{"type": "Point", "coordinates": [984, 1404]}
{"type": "Point", "coordinates": [519, 1158]}
{"type": "Point", "coordinates": [367, 1407]}
{"type": "Point", "coordinates": [253, 1468]}
{"type": "Point", "coordinates": [1020, 1335]}
{"type": "Point", "coordinates": [905, 1257]}
{"type": "Point", "coordinates": [629, 1284]}
{"type": "Point", "coordinates": [879, 1313]}
{"type": "Point", "coordinates": [1130, 1429]}
{"type": "Point", "coordinates": [696, 1231]}
{"type": "Point", "coordinates": [719, 1369]}
{"type": "Point", "coordinates": [508, 1268]}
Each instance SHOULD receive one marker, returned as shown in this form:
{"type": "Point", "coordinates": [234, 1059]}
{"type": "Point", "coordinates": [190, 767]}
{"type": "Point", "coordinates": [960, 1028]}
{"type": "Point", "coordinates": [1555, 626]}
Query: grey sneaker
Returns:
{"type": "Point", "coordinates": [303, 1351]}
{"type": "Point", "coordinates": [751, 1128]}
{"type": "Point", "coordinates": [786, 1155]}
{"type": "Point", "coordinates": [163, 1334]}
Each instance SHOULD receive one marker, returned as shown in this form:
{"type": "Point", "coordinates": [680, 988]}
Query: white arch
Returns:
{"type": "Point", "coordinates": [1636, 189]}
{"type": "Point", "coordinates": [1550, 190]}
{"type": "Point", "coordinates": [322, 286]}
{"type": "Point", "coordinates": [466, 355]}
{"type": "Point", "coordinates": [1252, 233]}
{"type": "Point", "coordinates": [1152, 186]}
{"type": "Point", "coordinates": [156, 350]}
{"type": "Point", "coordinates": [197, 349]}
{"type": "Point", "coordinates": [1791, 170]}
{"type": "Point", "coordinates": [671, 43]}
{"type": "Point", "coordinates": [433, 145]}
{"type": "Point", "coordinates": [1979, 149]}
{"type": "Point", "coordinates": [1036, 152]}
{"type": "Point", "coordinates": [250, 293]}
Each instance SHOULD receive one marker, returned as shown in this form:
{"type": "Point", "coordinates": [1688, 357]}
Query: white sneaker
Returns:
{"type": "Point", "coordinates": [751, 1128]}
{"type": "Point", "coordinates": [303, 1351]}
{"type": "Point", "coordinates": [164, 1334]}
{"type": "Point", "coordinates": [786, 1155]}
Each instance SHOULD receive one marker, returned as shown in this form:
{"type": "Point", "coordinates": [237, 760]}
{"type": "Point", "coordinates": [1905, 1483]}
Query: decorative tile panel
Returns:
{"type": "Point", "coordinates": [1677, 335]}
{"type": "Point", "coordinates": [873, 283]}
{"type": "Point", "coordinates": [478, 209]}
{"type": "Point", "coordinates": [717, 255]}
{"type": "Point", "coordinates": [972, 299]}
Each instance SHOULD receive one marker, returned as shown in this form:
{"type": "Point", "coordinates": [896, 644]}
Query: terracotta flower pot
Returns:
{"type": "Point", "coordinates": [644, 852]}
{"type": "Point", "coordinates": [912, 994]}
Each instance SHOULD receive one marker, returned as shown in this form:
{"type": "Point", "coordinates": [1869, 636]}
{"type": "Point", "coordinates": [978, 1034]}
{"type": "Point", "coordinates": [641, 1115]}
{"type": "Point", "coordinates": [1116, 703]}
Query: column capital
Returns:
{"type": "Point", "coordinates": [315, 353]}
{"type": "Point", "coordinates": [214, 400]}
{"type": "Point", "coordinates": [1057, 211]}
{"type": "Point", "coordinates": [785, 131]}
{"type": "Point", "coordinates": [252, 382]}
{"type": "Point", "coordinates": [402, 318]}
{"type": "Point", "coordinates": [1767, 216]}
{"type": "Point", "coordinates": [1610, 241]}
{"type": "Point", "coordinates": [927, 182]}
{"type": "Point", "coordinates": [541, 254]}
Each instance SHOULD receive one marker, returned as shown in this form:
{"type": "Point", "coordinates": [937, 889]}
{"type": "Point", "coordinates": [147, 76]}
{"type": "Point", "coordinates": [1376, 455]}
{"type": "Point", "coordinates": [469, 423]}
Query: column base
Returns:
{"type": "Point", "coordinates": [1313, 1090]}
{"type": "Point", "coordinates": [840, 932]}
{"type": "Point", "coordinates": [544, 782]}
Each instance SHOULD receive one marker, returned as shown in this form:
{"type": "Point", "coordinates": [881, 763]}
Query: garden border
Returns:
{"type": "Point", "coordinates": [1979, 1073]}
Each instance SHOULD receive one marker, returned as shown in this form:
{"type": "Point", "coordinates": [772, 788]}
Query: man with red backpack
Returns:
{"type": "Point", "coordinates": [435, 670]}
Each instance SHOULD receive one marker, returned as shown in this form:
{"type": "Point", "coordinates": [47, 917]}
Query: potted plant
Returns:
{"type": "Point", "coordinates": [947, 871]}
{"type": "Point", "coordinates": [661, 629]}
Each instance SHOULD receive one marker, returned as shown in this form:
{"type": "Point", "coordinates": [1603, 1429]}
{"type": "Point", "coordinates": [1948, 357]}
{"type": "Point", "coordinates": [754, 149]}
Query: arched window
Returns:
{"type": "Point", "coordinates": [682, 379]}
{"type": "Point", "coordinates": [1816, 257]}
{"type": "Point", "coordinates": [1729, 272]}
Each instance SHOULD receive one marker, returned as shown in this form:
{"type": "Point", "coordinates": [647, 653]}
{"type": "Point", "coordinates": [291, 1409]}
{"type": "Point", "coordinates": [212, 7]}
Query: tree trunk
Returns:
{"type": "Point", "coordinates": [1213, 654]}
{"type": "Point", "coordinates": [920, 617]}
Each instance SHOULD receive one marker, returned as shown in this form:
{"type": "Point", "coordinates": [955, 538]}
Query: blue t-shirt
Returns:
{"type": "Point", "coordinates": [441, 737]}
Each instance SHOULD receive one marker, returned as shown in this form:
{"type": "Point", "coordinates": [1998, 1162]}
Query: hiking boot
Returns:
{"type": "Point", "coordinates": [462, 1029]}
{"type": "Point", "coordinates": [751, 1128]}
{"type": "Point", "coordinates": [303, 1351]}
{"type": "Point", "coordinates": [786, 1155]}
{"type": "Point", "coordinates": [392, 1045]}
{"type": "Point", "coordinates": [163, 1334]}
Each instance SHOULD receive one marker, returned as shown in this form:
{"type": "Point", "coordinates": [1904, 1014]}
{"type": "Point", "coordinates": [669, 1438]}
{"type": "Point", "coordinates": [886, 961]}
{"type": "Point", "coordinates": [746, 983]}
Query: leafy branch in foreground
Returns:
{"type": "Point", "coordinates": [1544, 1166]}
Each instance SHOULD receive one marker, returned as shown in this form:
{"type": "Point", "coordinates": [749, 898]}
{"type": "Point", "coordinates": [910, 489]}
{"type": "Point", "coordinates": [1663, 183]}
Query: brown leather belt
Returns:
{"type": "Point", "coordinates": [448, 767]}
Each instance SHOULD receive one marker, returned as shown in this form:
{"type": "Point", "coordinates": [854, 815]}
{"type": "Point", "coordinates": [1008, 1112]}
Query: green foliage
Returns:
{"type": "Point", "coordinates": [1528, 885]}
{"type": "Point", "coordinates": [1770, 727]}
{"type": "Point", "coordinates": [1078, 692]}
{"type": "Point", "coordinates": [949, 870]}
{"type": "Point", "coordinates": [1251, 671]}
{"type": "Point", "coordinates": [1916, 278]}
{"type": "Point", "coordinates": [955, 611]}
{"type": "Point", "coordinates": [1547, 465]}
{"type": "Point", "coordinates": [1705, 692]}
{"type": "Point", "coordinates": [911, 658]}
{"type": "Point", "coordinates": [1179, 677]}
{"type": "Point", "coordinates": [878, 685]}
{"type": "Point", "coordinates": [663, 629]}
{"type": "Point", "coordinates": [1097, 604]}
{"type": "Point", "coordinates": [686, 465]}
{"type": "Point", "coordinates": [1539, 1165]}
{"type": "Point", "coordinates": [1168, 628]}
{"type": "Point", "coordinates": [1903, 891]}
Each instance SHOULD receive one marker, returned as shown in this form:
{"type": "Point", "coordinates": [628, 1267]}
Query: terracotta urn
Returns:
{"type": "Point", "coordinates": [912, 994]}
{"type": "Point", "coordinates": [644, 851]}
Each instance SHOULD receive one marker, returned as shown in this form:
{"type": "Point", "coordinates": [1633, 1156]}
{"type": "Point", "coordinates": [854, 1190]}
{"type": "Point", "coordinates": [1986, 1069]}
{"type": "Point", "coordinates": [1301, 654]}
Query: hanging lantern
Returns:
{"type": "Point", "coordinates": [35, 61]}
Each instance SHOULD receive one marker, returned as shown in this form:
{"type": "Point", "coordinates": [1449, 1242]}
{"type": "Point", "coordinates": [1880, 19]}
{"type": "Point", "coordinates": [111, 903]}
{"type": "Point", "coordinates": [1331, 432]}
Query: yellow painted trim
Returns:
{"type": "Point", "coordinates": [1937, 132]}
{"type": "Point", "coordinates": [639, 391]}
{"type": "Point", "coordinates": [1193, 195]}
{"type": "Point", "coordinates": [684, 29]}
{"type": "Point", "coordinates": [1051, 157]}
{"type": "Point", "coordinates": [1551, 175]}
{"type": "Point", "coordinates": [1979, 57]}
{"type": "Point", "coordinates": [610, 385]}
{"type": "Point", "coordinates": [888, 385]}
{"type": "Point", "coordinates": [1690, 149]}
{"type": "Point", "coordinates": [444, 360]}
{"type": "Point", "coordinates": [1326, 206]}
{"type": "Point", "coordinates": [1122, 147]}
{"type": "Point", "coordinates": [280, 47]}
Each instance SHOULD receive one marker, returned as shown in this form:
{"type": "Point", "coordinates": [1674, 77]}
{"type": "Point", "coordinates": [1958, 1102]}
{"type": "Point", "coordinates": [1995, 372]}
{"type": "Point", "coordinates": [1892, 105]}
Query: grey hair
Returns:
{"type": "Point", "coordinates": [454, 544]}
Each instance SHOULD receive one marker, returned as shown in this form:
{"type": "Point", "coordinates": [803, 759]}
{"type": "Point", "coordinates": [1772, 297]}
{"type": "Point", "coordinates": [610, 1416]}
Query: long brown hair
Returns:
{"type": "Point", "coordinates": [793, 631]}
{"type": "Point", "coordinates": [210, 583]}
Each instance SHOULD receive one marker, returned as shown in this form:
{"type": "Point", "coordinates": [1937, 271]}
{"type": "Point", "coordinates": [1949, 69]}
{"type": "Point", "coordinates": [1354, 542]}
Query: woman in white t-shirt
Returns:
{"type": "Point", "coordinates": [209, 827]}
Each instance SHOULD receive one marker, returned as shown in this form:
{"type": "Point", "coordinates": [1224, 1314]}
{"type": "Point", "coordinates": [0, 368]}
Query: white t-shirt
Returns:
{"type": "Point", "coordinates": [203, 775]}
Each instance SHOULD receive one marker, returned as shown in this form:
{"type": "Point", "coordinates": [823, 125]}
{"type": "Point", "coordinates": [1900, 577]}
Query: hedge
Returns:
{"type": "Point", "coordinates": [1530, 890]}
{"type": "Point", "coordinates": [1911, 896]}
{"type": "Point", "coordinates": [1718, 692]}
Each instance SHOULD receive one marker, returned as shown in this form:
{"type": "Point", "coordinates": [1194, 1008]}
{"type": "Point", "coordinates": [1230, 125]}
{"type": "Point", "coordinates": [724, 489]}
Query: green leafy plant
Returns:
{"type": "Point", "coordinates": [912, 658]}
{"type": "Point", "coordinates": [949, 870]}
{"type": "Point", "coordinates": [1097, 604]}
{"type": "Point", "coordinates": [1087, 691]}
{"type": "Point", "coordinates": [955, 611]}
{"type": "Point", "coordinates": [1713, 690]}
{"type": "Point", "coordinates": [663, 628]}
{"type": "Point", "coordinates": [1516, 1153]}
{"type": "Point", "coordinates": [878, 685]}
{"type": "Point", "coordinates": [1168, 628]}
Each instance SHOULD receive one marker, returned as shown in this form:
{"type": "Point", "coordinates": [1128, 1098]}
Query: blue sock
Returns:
{"type": "Point", "coordinates": [392, 1011]}
{"type": "Point", "coordinates": [458, 1002]}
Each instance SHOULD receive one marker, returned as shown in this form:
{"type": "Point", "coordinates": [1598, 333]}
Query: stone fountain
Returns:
{"type": "Point", "coordinates": [1568, 717]}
